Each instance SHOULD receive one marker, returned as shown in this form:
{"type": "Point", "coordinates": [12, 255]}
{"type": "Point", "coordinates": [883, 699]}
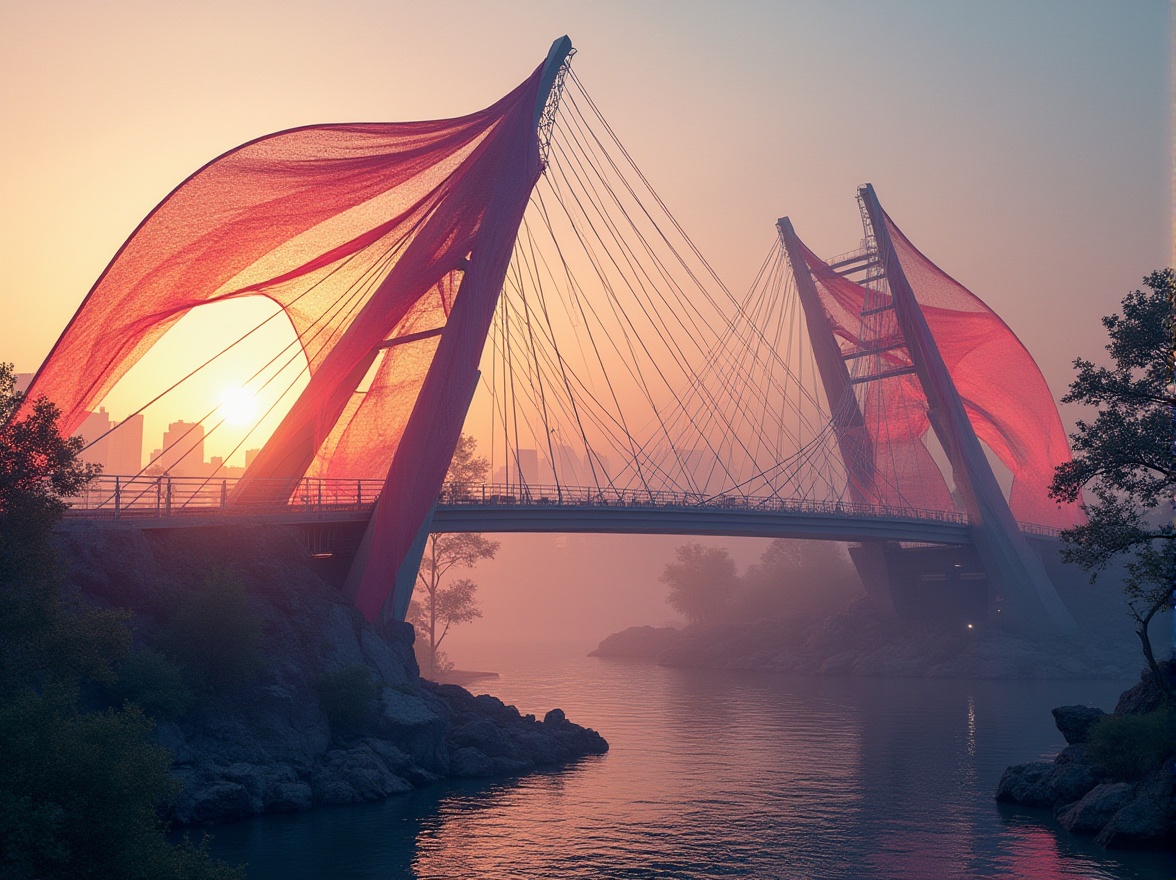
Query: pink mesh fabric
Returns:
{"type": "Point", "coordinates": [361, 233]}
{"type": "Point", "coordinates": [894, 409]}
{"type": "Point", "coordinates": [1004, 394]}
{"type": "Point", "coordinates": [1006, 397]}
{"type": "Point", "coordinates": [303, 217]}
{"type": "Point", "coordinates": [368, 433]}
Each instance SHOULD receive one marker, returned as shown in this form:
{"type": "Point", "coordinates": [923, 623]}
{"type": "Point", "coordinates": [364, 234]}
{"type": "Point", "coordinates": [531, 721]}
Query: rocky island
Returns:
{"type": "Point", "coordinates": [1116, 777]}
{"type": "Point", "coordinates": [856, 641]}
{"type": "Point", "coordinates": [272, 692]}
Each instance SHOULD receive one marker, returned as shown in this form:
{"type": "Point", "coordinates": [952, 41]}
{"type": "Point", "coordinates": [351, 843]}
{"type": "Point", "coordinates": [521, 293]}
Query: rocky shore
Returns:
{"type": "Point", "coordinates": [272, 742]}
{"type": "Point", "coordinates": [857, 642]}
{"type": "Point", "coordinates": [1088, 797]}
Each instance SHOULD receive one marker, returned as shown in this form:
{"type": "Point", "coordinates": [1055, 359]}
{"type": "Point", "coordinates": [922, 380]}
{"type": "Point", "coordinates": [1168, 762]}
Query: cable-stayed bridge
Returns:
{"type": "Point", "coordinates": [512, 275]}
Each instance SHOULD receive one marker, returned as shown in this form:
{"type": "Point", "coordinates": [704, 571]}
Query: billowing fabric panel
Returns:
{"type": "Point", "coordinates": [1007, 399]}
{"type": "Point", "coordinates": [894, 409]}
{"type": "Point", "coordinates": [307, 217]}
{"type": "Point", "coordinates": [1005, 396]}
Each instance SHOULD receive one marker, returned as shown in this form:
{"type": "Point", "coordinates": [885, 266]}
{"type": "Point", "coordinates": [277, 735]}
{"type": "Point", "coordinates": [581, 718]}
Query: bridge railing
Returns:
{"type": "Point", "coordinates": [114, 497]}
{"type": "Point", "coordinates": [492, 494]}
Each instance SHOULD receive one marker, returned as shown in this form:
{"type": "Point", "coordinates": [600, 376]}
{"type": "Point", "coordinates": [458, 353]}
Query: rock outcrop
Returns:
{"type": "Point", "coordinates": [1083, 795]}
{"type": "Point", "coordinates": [639, 642]}
{"type": "Point", "coordinates": [269, 744]}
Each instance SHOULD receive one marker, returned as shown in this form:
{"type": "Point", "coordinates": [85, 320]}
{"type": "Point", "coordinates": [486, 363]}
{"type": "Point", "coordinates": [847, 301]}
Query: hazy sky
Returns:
{"type": "Point", "coordinates": [1023, 146]}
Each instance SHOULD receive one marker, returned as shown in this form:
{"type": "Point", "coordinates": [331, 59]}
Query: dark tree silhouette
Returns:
{"type": "Point", "coordinates": [702, 581]}
{"type": "Point", "coordinates": [79, 789]}
{"type": "Point", "coordinates": [441, 604]}
{"type": "Point", "coordinates": [1124, 458]}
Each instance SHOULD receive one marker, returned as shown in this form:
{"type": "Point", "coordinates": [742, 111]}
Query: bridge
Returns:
{"type": "Point", "coordinates": [513, 275]}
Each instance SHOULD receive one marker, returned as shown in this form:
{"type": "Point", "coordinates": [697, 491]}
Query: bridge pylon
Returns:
{"type": "Point", "coordinates": [1013, 569]}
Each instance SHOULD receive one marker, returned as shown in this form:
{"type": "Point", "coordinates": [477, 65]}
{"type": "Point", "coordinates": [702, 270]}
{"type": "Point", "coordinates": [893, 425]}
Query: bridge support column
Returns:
{"type": "Point", "coordinates": [395, 607]}
{"type": "Point", "coordinates": [1015, 570]}
{"type": "Point", "coordinates": [869, 558]}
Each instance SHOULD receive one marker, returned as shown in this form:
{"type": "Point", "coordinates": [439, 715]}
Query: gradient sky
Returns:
{"type": "Point", "coordinates": [1023, 146]}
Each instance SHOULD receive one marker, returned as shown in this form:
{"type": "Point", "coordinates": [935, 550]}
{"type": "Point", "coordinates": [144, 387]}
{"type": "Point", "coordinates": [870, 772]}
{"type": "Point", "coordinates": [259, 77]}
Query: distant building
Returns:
{"type": "Point", "coordinates": [124, 447]}
{"type": "Point", "coordinates": [528, 467]}
{"type": "Point", "coordinates": [251, 454]}
{"type": "Point", "coordinates": [218, 470]}
{"type": "Point", "coordinates": [23, 381]}
{"type": "Point", "coordinates": [95, 430]}
{"type": "Point", "coordinates": [182, 454]}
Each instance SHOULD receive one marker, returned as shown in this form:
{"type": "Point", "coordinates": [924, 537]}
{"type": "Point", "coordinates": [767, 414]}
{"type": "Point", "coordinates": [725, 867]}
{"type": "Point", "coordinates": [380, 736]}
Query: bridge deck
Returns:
{"type": "Point", "coordinates": [165, 503]}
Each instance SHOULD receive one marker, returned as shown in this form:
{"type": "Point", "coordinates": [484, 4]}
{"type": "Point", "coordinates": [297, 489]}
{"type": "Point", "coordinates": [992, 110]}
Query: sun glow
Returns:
{"type": "Point", "coordinates": [238, 406]}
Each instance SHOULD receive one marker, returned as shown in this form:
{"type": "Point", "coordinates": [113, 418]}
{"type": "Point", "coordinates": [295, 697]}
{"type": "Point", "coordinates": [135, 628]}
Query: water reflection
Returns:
{"type": "Point", "coordinates": [724, 774]}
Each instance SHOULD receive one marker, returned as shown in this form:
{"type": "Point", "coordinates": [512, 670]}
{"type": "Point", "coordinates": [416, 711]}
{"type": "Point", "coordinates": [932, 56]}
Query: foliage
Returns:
{"type": "Point", "coordinates": [38, 467]}
{"type": "Point", "coordinates": [791, 579]}
{"type": "Point", "coordinates": [155, 683]}
{"type": "Point", "coordinates": [1124, 458]}
{"type": "Point", "coordinates": [348, 696]}
{"type": "Point", "coordinates": [702, 581]}
{"type": "Point", "coordinates": [215, 636]}
{"type": "Point", "coordinates": [1131, 747]}
{"type": "Point", "coordinates": [78, 790]}
{"type": "Point", "coordinates": [441, 605]}
{"type": "Point", "coordinates": [796, 579]}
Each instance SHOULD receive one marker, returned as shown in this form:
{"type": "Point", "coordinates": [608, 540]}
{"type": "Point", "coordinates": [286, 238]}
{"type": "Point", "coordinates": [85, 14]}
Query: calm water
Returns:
{"type": "Point", "coordinates": [725, 774]}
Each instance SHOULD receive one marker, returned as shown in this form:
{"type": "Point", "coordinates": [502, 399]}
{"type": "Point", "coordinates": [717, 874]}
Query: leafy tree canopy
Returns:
{"type": "Point", "coordinates": [1123, 462]}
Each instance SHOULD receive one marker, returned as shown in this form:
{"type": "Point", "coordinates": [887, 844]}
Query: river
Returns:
{"type": "Point", "coordinates": [723, 774]}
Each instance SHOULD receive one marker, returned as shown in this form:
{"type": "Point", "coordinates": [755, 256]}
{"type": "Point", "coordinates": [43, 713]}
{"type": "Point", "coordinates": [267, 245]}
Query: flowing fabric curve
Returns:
{"type": "Point", "coordinates": [1005, 396]}
{"type": "Point", "coordinates": [303, 217]}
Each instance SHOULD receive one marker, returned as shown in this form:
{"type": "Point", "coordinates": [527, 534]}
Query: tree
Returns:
{"type": "Point", "coordinates": [792, 579]}
{"type": "Point", "coordinates": [79, 788]}
{"type": "Point", "coordinates": [1124, 458]}
{"type": "Point", "coordinates": [702, 581]}
{"type": "Point", "coordinates": [798, 578]}
{"type": "Point", "coordinates": [442, 605]}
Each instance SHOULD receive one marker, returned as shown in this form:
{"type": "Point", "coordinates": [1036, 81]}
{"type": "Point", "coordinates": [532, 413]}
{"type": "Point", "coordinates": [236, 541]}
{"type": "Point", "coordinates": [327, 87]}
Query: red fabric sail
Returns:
{"type": "Point", "coordinates": [1005, 396]}
{"type": "Point", "coordinates": [894, 409]}
{"type": "Point", "coordinates": [305, 217]}
{"type": "Point", "coordinates": [364, 235]}
{"type": "Point", "coordinates": [1007, 399]}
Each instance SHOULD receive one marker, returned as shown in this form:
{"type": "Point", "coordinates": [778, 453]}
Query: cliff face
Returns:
{"type": "Point", "coordinates": [268, 743]}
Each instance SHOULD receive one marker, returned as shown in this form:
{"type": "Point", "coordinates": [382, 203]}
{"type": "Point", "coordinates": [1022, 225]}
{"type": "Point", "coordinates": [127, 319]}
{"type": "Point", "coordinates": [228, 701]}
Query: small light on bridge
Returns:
{"type": "Point", "coordinates": [969, 626]}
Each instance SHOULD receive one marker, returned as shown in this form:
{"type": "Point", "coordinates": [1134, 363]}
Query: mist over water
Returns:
{"type": "Point", "coordinates": [724, 774]}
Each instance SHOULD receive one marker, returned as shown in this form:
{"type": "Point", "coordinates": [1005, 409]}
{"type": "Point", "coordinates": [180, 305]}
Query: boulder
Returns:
{"type": "Point", "coordinates": [1146, 696]}
{"type": "Point", "coordinates": [1025, 784]}
{"type": "Point", "coordinates": [1047, 785]}
{"type": "Point", "coordinates": [1075, 722]}
{"type": "Point", "coordinates": [220, 802]}
{"type": "Point", "coordinates": [470, 763]}
{"type": "Point", "coordinates": [1149, 818]}
{"type": "Point", "coordinates": [1096, 808]}
{"type": "Point", "coordinates": [289, 797]}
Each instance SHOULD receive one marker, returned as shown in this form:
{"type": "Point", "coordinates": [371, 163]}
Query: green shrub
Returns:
{"type": "Point", "coordinates": [348, 696]}
{"type": "Point", "coordinates": [1132, 746]}
{"type": "Point", "coordinates": [155, 684]}
{"type": "Point", "coordinates": [79, 792]}
{"type": "Point", "coordinates": [215, 636]}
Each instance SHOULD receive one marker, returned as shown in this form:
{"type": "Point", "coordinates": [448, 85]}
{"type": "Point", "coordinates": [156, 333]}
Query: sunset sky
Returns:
{"type": "Point", "coordinates": [1025, 147]}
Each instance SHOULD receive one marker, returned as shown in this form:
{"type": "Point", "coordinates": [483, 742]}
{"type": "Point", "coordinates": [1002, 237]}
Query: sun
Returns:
{"type": "Point", "coordinates": [237, 406]}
